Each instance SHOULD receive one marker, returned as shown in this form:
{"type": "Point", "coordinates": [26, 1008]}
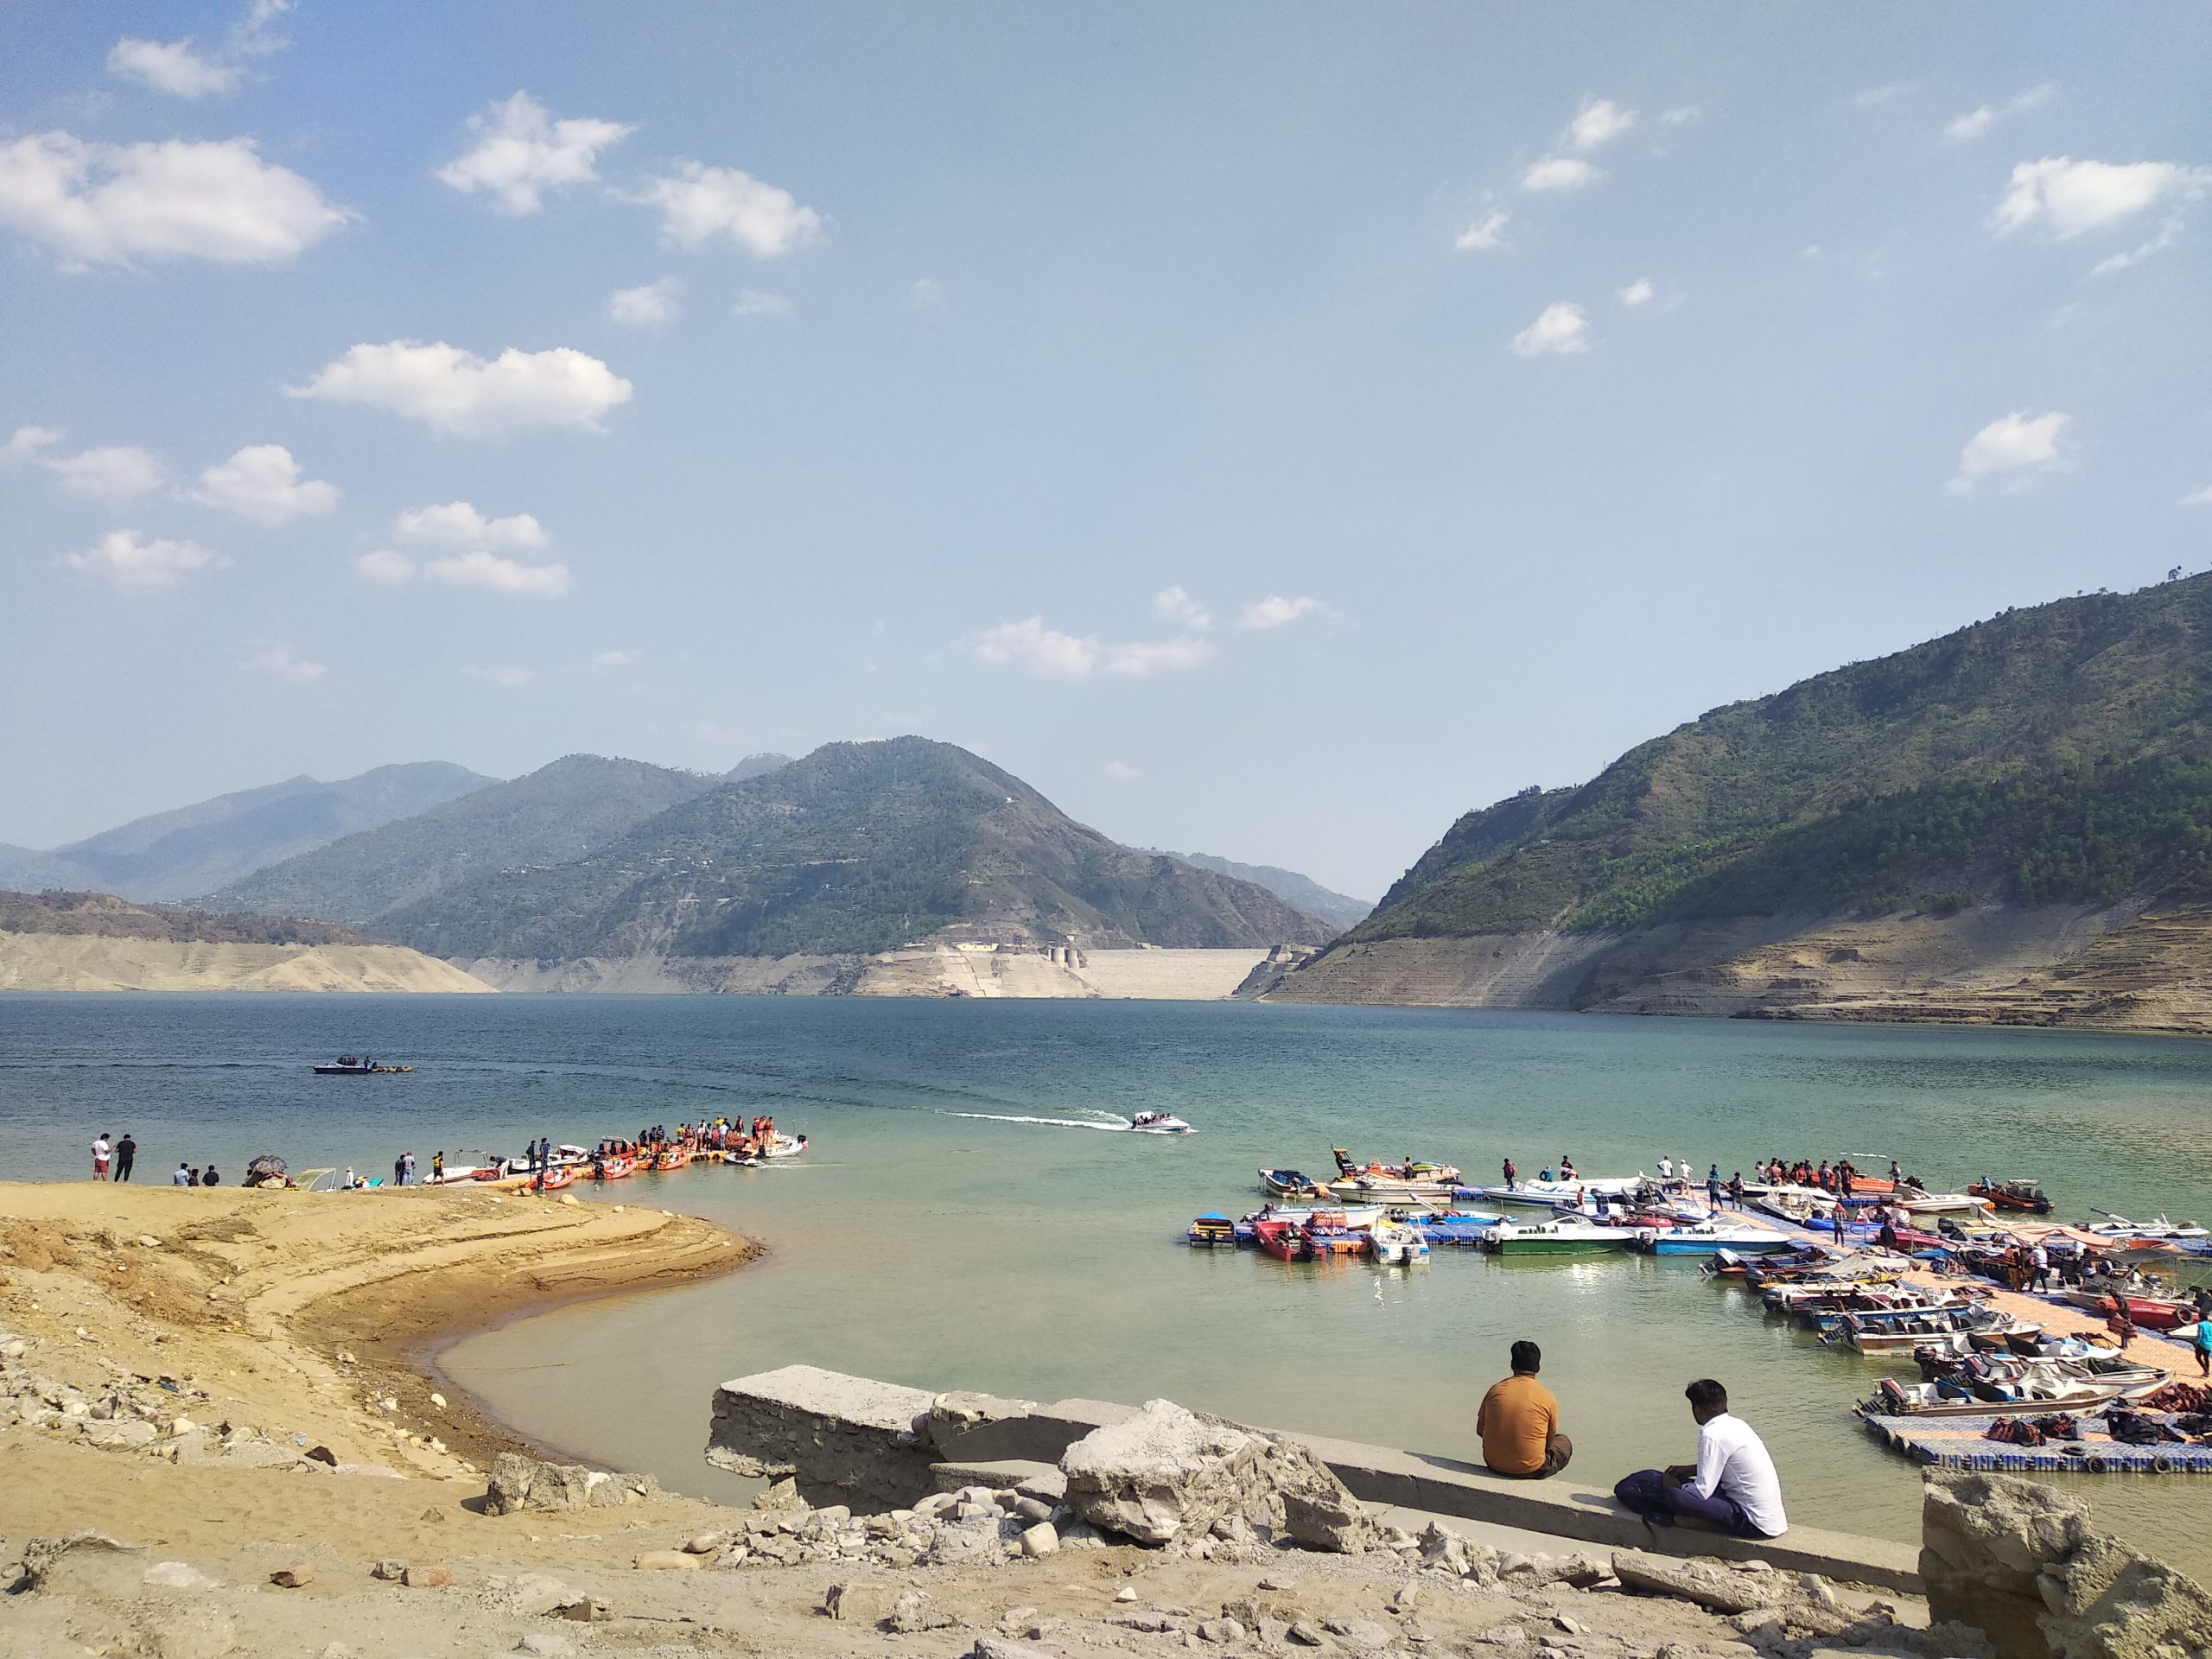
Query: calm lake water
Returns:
{"type": "Point", "coordinates": [967, 1219]}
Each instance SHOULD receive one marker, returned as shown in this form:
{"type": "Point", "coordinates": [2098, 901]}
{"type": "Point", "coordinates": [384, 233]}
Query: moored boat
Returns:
{"type": "Point", "coordinates": [1292, 1184]}
{"type": "Point", "coordinates": [2022, 1195]}
{"type": "Point", "coordinates": [1393, 1244]}
{"type": "Point", "coordinates": [673, 1157]}
{"type": "Point", "coordinates": [2151, 1312]}
{"type": "Point", "coordinates": [1705, 1238]}
{"type": "Point", "coordinates": [612, 1169]}
{"type": "Point", "coordinates": [1567, 1235]}
{"type": "Point", "coordinates": [1213, 1231]}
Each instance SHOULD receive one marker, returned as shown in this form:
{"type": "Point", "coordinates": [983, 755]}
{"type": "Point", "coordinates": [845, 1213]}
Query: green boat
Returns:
{"type": "Point", "coordinates": [1568, 1236]}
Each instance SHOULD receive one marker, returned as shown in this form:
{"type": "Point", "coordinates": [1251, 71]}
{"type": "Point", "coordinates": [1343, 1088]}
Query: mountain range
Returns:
{"type": "Point", "coordinates": [2012, 822]}
{"type": "Point", "coordinates": [856, 849]}
{"type": "Point", "coordinates": [195, 849]}
{"type": "Point", "coordinates": [1299, 891]}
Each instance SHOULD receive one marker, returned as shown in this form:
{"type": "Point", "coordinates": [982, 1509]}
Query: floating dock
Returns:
{"type": "Point", "coordinates": [1960, 1443]}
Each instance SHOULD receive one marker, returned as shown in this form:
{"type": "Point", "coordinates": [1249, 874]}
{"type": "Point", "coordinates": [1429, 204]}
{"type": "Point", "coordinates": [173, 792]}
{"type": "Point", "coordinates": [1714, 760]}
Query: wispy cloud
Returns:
{"type": "Point", "coordinates": [1637, 293]}
{"type": "Point", "coordinates": [700, 204]}
{"type": "Point", "coordinates": [1599, 121]}
{"type": "Point", "coordinates": [111, 473]}
{"type": "Point", "coordinates": [1559, 173]}
{"type": "Point", "coordinates": [1175, 606]}
{"type": "Point", "coordinates": [2069, 198]}
{"type": "Point", "coordinates": [654, 305]}
{"type": "Point", "coordinates": [752, 302]}
{"type": "Point", "coordinates": [506, 678]}
{"type": "Point", "coordinates": [1965, 129]}
{"type": "Point", "coordinates": [1277, 611]}
{"type": "Point", "coordinates": [133, 564]}
{"type": "Point", "coordinates": [1483, 235]}
{"type": "Point", "coordinates": [278, 661]}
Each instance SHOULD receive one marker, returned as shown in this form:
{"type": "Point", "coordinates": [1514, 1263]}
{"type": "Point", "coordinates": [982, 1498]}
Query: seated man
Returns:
{"type": "Point", "coordinates": [1519, 1422]}
{"type": "Point", "coordinates": [1731, 1486]}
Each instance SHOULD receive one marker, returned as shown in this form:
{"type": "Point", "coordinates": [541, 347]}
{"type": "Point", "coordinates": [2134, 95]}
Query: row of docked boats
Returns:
{"type": "Point", "coordinates": [566, 1165]}
{"type": "Point", "coordinates": [1397, 1212]}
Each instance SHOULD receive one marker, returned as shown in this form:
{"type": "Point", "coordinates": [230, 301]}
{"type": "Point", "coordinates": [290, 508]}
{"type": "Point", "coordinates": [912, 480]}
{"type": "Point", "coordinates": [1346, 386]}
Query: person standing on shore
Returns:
{"type": "Point", "coordinates": [1518, 1422]}
{"type": "Point", "coordinates": [126, 1154]}
{"type": "Point", "coordinates": [2201, 1346]}
{"type": "Point", "coordinates": [101, 1153]}
{"type": "Point", "coordinates": [438, 1166]}
{"type": "Point", "coordinates": [182, 1177]}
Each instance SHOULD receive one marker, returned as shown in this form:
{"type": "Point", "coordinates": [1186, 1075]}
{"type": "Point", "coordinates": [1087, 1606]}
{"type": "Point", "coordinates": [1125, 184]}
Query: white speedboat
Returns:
{"type": "Point", "coordinates": [1395, 1243]}
{"type": "Point", "coordinates": [1159, 1123]}
{"type": "Point", "coordinates": [784, 1145]}
{"type": "Point", "coordinates": [2157, 1228]}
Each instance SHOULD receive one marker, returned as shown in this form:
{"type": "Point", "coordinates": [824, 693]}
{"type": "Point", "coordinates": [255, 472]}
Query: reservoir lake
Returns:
{"type": "Point", "coordinates": [971, 1216]}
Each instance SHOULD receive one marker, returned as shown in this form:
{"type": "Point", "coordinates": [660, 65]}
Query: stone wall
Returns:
{"type": "Point", "coordinates": [2018, 1560]}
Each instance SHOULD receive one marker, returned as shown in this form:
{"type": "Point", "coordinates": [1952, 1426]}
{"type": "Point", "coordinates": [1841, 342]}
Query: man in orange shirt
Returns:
{"type": "Point", "coordinates": [1519, 1422]}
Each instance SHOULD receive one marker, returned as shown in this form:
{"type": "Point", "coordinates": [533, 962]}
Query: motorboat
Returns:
{"type": "Point", "coordinates": [1393, 1244]}
{"type": "Point", "coordinates": [1292, 1184]}
{"type": "Point", "coordinates": [353, 1065]}
{"type": "Point", "coordinates": [2151, 1312]}
{"type": "Point", "coordinates": [1213, 1231]}
{"type": "Point", "coordinates": [1703, 1238]}
{"type": "Point", "coordinates": [1910, 1329]}
{"type": "Point", "coordinates": [1562, 1195]}
{"type": "Point", "coordinates": [1566, 1236]}
{"type": "Point", "coordinates": [1942, 1204]}
{"type": "Point", "coordinates": [612, 1169]}
{"type": "Point", "coordinates": [780, 1145]}
{"type": "Point", "coordinates": [2023, 1197]}
{"type": "Point", "coordinates": [1159, 1123]}
{"type": "Point", "coordinates": [1417, 1178]}
{"type": "Point", "coordinates": [2158, 1228]}
{"type": "Point", "coordinates": [1996, 1385]}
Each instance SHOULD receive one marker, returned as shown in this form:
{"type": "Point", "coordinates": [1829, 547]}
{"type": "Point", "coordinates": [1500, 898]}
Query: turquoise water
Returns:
{"type": "Point", "coordinates": [936, 1238]}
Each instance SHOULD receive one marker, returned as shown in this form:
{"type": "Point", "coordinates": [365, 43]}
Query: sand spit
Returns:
{"type": "Point", "coordinates": [73, 962]}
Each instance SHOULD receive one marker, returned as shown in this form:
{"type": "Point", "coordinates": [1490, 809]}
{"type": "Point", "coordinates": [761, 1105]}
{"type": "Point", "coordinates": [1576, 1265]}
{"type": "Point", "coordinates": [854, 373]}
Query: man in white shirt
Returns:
{"type": "Point", "coordinates": [1733, 1486]}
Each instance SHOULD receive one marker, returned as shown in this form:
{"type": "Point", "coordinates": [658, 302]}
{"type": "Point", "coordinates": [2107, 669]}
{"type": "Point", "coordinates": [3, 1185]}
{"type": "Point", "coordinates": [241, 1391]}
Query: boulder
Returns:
{"type": "Point", "coordinates": [917, 1610]}
{"type": "Point", "coordinates": [92, 1556]}
{"type": "Point", "coordinates": [846, 1439]}
{"type": "Point", "coordinates": [1167, 1473]}
{"type": "Point", "coordinates": [1331, 1520]}
{"type": "Point", "coordinates": [519, 1482]}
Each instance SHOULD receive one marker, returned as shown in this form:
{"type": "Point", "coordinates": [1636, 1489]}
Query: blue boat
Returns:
{"type": "Point", "coordinates": [1706, 1239]}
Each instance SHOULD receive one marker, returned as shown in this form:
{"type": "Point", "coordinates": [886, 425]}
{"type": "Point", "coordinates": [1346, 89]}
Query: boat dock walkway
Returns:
{"type": "Point", "coordinates": [1960, 1443]}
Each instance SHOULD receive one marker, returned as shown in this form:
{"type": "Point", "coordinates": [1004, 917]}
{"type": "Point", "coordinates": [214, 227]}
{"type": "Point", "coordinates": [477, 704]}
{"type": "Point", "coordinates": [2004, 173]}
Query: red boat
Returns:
{"type": "Point", "coordinates": [612, 1169]}
{"type": "Point", "coordinates": [2025, 1197]}
{"type": "Point", "coordinates": [2150, 1313]}
{"type": "Point", "coordinates": [673, 1157]}
{"type": "Point", "coordinates": [552, 1179]}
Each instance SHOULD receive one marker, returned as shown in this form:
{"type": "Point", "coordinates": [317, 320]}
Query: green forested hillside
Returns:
{"type": "Point", "coordinates": [858, 848]}
{"type": "Point", "coordinates": [2061, 751]}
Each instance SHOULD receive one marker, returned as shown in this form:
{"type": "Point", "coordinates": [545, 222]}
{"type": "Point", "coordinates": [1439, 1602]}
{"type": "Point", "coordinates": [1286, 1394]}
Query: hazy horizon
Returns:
{"type": "Point", "coordinates": [1268, 435]}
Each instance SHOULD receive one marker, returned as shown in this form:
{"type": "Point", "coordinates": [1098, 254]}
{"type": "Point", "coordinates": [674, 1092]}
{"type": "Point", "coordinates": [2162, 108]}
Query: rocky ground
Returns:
{"type": "Point", "coordinates": [214, 1440]}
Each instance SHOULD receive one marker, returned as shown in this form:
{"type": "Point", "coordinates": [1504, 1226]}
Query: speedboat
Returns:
{"type": "Point", "coordinates": [351, 1065]}
{"type": "Point", "coordinates": [1213, 1231]}
{"type": "Point", "coordinates": [1996, 1385]}
{"type": "Point", "coordinates": [1394, 1244]}
{"type": "Point", "coordinates": [1704, 1238]}
{"type": "Point", "coordinates": [780, 1145]}
{"type": "Point", "coordinates": [1292, 1184]}
{"type": "Point", "coordinates": [1159, 1123]}
{"type": "Point", "coordinates": [2151, 1312]}
{"type": "Point", "coordinates": [2024, 1195]}
{"type": "Point", "coordinates": [2157, 1228]}
{"type": "Point", "coordinates": [1567, 1235]}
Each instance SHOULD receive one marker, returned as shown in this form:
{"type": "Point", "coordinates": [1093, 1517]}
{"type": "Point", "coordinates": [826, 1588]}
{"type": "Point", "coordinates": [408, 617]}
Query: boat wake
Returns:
{"type": "Point", "coordinates": [1111, 1126]}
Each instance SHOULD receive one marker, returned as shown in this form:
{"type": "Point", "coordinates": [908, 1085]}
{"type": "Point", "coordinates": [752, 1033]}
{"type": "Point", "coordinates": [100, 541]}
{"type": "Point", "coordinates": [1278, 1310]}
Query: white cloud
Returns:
{"type": "Point", "coordinates": [478, 568]}
{"type": "Point", "coordinates": [2069, 197]}
{"type": "Point", "coordinates": [614, 659]}
{"type": "Point", "coordinates": [1562, 329]}
{"type": "Point", "coordinates": [1121, 771]}
{"type": "Point", "coordinates": [2168, 234]}
{"type": "Point", "coordinates": [520, 152]}
{"type": "Point", "coordinates": [2198, 498]}
{"type": "Point", "coordinates": [1142, 657]}
{"type": "Point", "coordinates": [926, 294]}
{"type": "Point", "coordinates": [1559, 173]}
{"type": "Point", "coordinates": [1276, 612]}
{"type": "Point", "coordinates": [1599, 122]}
{"type": "Point", "coordinates": [752, 302]}
{"type": "Point", "coordinates": [280, 662]}
{"type": "Point", "coordinates": [1485, 233]}
{"type": "Point", "coordinates": [2016, 444]}
{"type": "Point", "coordinates": [173, 67]}
{"type": "Point", "coordinates": [698, 203]}
{"type": "Point", "coordinates": [1638, 292]}
{"type": "Point", "coordinates": [1873, 95]}
{"type": "Point", "coordinates": [458, 523]}
{"type": "Point", "coordinates": [111, 473]}
{"type": "Point", "coordinates": [506, 678]}
{"type": "Point", "coordinates": [1960, 129]}
{"type": "Point", "coordinates": [1046, 654]}
{"type": "Point", "coordinates": [1173, 605]}
{"type": "Point", "coordinates": [262, 482]}
{"type": "Point", "coordinates": [1964, 129]}
{"type": "Point", "coordinates": [1680, 116]}
{"type": "Point", "coordinates": [385, 566]}
{"type": "Point", "coordinates": [127, 560]}
{"type": "Point", "coordinates": [452, 390]}
{"type": "Point", "coordinates": [27, 441]}
{"type": "Point", "coordinates": [253, 36]}
{"type": "Point", "coordinates": [109, 204]}
{"type": "Point", "coordinates": [653, 306]}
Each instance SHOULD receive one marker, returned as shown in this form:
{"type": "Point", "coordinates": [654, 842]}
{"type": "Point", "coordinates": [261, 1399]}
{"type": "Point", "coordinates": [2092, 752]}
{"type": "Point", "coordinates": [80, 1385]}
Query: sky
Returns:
{"type": "Point", "coordinates": [1270, 430]}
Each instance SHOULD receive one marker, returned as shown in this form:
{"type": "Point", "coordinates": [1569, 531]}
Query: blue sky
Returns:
{"type": "Point", "coordinates": [1270, 430]}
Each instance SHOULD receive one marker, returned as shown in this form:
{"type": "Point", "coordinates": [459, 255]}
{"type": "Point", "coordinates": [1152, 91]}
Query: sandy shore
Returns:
{"type": "Point", "coordinates": [224, 1382]}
